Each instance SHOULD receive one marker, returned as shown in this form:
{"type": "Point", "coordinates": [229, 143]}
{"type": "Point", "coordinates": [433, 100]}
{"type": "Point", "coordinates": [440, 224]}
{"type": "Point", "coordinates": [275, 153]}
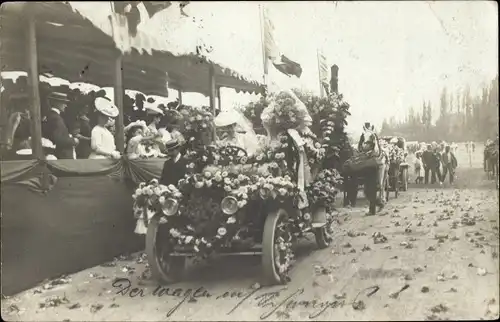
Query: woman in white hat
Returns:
{"type": "Point", "coordinates": [102, 141]}
{"type": "Point", "coordinates": [135, 136]}
{"type": "Point", "coordinates": [234, 129]}
{"type": "Point", "coordinates": [154, 116]}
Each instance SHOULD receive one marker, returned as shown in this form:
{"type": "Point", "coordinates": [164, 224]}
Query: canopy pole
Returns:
{"type": "Point", "coordinates": [219, 104]}
{"type": "Point", "coordinates": [33, 80]}
{"type": "Point", "coordinates": [213, 89]}
{"type": "Point", "coordinates": [119, 92]}
{"type": "Point", "coordinates": [179, 95]}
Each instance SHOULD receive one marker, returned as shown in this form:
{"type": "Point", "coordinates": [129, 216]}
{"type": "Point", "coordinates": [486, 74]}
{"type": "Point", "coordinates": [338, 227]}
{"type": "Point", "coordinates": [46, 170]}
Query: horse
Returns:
{"type": "Point", "coordinates": [374, 178]}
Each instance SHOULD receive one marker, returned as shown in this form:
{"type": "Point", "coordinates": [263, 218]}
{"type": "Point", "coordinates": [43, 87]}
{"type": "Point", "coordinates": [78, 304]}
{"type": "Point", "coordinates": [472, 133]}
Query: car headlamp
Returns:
{"type": "Point", "coordinates": [229, 205]}
{"type": "Point", "coordinates": [170, 207]}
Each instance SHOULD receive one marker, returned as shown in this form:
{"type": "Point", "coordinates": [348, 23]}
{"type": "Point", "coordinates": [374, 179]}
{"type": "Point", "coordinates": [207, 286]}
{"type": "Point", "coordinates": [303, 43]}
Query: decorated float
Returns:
{"type": "Point", "coordinates": [239, 203]}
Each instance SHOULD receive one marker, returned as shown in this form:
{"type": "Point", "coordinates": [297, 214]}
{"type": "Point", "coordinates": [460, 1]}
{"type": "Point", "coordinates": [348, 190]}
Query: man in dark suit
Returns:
{"type": "Point", "coordinates": [436, 170]}
{"type": "Point", "coordinates": [56, 130]}
{"type": "Point", "coordinates": [449, 164]}
{"type": "Point", "coordinates": [174, 168]}
{"type": "Point", "coordinates": [428, 162]}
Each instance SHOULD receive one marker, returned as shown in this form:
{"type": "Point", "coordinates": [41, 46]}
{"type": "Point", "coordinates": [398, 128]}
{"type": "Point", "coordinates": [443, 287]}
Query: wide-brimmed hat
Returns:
{"type": "Point", "coordinates": [58, 96]}
{"type": "Point", "coordinates": [46, 144]}
{"type": "Point", "coordinates": [106, 107]}
{"type": "Point", "coordinates": [226, 118]}
{"type": "Point", "coordinates": [136, 124]}
{"type": "Point", "coordinates": [172, 144]}
{"type": "Point", "coordinates": [152, 108]}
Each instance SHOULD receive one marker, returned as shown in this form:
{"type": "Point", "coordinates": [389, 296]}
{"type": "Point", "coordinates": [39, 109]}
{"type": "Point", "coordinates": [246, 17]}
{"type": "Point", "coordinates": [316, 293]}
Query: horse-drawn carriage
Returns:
{"type": "Point", "coordinates": [398, 168]}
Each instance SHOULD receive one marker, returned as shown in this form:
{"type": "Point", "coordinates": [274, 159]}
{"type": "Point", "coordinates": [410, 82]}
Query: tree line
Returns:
{"type": "Point", "coordinates": [462, 117]}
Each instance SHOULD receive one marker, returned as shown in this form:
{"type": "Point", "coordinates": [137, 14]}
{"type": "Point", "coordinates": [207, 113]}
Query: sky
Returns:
{"type": "Point", "coordinates": [391, 55]}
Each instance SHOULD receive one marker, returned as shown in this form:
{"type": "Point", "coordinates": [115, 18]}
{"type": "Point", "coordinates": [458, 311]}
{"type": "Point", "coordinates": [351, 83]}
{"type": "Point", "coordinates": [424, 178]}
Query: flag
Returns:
{"type": "Point", "coordinates": [270, 48]}
{"type": "Point", "coordinates": [271, 51]}
{"type": "Point", "coordinates": [288, 66]}
{"type": "Point", "coordinates": [323, 68]}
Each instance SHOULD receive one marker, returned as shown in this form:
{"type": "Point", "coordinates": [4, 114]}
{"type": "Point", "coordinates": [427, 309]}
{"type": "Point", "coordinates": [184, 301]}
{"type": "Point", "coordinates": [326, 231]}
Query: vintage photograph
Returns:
{"type": "Point", "coordinates": [249, 160]}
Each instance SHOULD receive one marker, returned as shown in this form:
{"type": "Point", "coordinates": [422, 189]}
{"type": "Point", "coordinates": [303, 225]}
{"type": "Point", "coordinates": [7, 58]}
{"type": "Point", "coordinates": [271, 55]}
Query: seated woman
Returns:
{"type": "Point", "coordinates": [102, 141]}
{"type": "Point", "coordinates": [236, 130]}
{"type": "Point", "coordinates": [135, 134]}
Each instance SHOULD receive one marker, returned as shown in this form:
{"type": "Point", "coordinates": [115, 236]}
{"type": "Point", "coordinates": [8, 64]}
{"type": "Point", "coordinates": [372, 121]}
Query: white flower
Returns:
{"type": "Point", "coordinates": [149, 191]}
{"type": "Point", "coordinates": [157, 190]}
{"type": "Point", "coordinates": [221, 231]}
{"type": "Point", "coordinates": [231, 220]}
{"type": "Point", "coordinates": [224, 174]}
{"type": "Point", "coordinates": [171, 187]}
{"type": "Point", "coordinates": [207, 174]}
{"type": "Point", "coordinates": [242, 203]}
{"type": "Point", "coordinates": [307, 216]}
{"type": "Point", "coordinates": [244, 196]}
{"type": "Point", "coordinates": [138, 192]}
{"type": "Point", "coordinates": [241, 177]}
{"type": "Point", "coordinates": [208, 183]}
{"type": "Point", "coordinates": [227, 181]}
{"type": "Point", "coordinates": [188, 239]}
{"type": "Point", "coordinates": [161, 200]}
{"type": "Point", "coordinates": [177, 195]}
{"type": "Point", "coordinates": [218, 178]}
{"type": "Point", "coordinates": [154, 181]}
{"type": "Point", "coordinates": [174, 233]}
{"type": "Point", "coordinates": [199, 184]}
{"type": "Point", "coordinates": [227, 188]}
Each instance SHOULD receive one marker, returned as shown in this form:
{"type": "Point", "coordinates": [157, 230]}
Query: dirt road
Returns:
{"type": "Point", "coordinates": [435, 256]}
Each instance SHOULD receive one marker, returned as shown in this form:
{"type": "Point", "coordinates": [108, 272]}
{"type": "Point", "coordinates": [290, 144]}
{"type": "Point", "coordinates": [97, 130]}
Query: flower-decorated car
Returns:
{"type": "Point", "coordinates": [232, 202]}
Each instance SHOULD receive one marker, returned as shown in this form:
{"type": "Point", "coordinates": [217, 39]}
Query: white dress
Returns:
{"type": "Point", "coordinates": [101, 139]}
{"type": "Point", "coordinates": [135, 149]}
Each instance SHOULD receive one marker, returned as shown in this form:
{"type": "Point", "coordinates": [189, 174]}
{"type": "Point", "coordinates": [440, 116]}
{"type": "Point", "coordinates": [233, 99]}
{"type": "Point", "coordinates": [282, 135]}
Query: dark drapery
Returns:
{"type": "Point", "coordinates": [59, 217]}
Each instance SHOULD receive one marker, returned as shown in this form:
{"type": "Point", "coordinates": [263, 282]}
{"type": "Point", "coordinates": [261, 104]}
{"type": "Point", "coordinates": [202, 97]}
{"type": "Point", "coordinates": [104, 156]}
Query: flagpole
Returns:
{"type": "Point", "coordinates": [321, 89]}
{"type": "Point", "coordinates": [262, 38]}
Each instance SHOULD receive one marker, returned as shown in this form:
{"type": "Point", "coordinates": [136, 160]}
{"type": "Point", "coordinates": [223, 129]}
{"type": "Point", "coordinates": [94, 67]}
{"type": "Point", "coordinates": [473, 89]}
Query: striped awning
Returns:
{"type": "Point", "coordinates": [76, 44]}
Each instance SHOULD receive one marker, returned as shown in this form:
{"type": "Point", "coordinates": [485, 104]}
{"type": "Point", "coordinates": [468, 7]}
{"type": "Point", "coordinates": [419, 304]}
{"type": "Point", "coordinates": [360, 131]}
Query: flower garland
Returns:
{"type": "Point", "coordinates": [285, 113]}
{"type": "Point", "coordinates": [150, 198]}
{"type": "Point", "coordinates": [393, 152]}
{"type": "Point", "coordinates": [329, 116]}
{"type": "Point", "coordinates": [323, 190]}
{"type": "Point", "coordinates": [197, 125]}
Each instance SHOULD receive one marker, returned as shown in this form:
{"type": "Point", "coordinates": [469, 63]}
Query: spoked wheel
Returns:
{"type": "Point", "coordinates": [324, 236]}
{"type": "Point", "coordinates": [164, 268]}
{"type": "Point", "coordinates": [274, 258]}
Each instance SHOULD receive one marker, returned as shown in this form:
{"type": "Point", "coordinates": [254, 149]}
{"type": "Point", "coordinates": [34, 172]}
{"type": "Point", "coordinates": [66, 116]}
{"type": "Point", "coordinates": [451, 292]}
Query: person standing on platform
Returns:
{"type": "Point", "coordinates": [56, 130]}
{"type": "Point", "coordinates": [102, 141]}
{"type": "Point", "coordinates": [82, 131]}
